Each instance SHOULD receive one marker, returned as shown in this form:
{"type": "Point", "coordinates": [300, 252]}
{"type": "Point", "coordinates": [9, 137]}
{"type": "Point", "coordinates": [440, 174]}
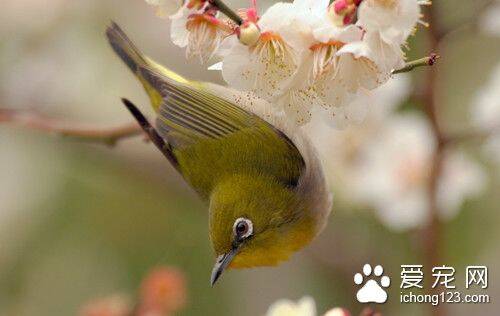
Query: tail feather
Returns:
{"type": "Point", "coordinates": [124, 48]}
{"type": "Point", "coordinates": [134, 59]}
{"type": "Point", "coordinates": [139, 63]}
{"type": "Point", "coordinates": [155, 137]}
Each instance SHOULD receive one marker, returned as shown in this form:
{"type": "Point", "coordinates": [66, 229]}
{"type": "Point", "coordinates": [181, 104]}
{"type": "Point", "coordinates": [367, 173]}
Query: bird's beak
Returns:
{"type": "Point", "coordinates": [221, 264]}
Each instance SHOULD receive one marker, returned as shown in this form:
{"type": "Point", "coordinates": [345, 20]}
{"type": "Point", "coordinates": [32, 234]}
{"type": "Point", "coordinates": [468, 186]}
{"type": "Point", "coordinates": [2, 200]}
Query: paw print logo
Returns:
{"type": "Point", "coordinates": [372, 290]}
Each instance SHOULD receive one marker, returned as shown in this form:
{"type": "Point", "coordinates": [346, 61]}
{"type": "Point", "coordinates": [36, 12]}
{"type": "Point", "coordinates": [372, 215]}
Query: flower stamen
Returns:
{"type": "Point", "coordinates": [324, 59]}
{"type": "Point", "coordinates": [275, 61]}
{"type": "Point", "coordinates": [205, 35]}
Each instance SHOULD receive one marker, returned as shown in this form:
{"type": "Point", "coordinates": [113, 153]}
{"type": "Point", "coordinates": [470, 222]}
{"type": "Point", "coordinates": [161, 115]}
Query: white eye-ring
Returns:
{"type": "Point", "coordinates": [243, 228]}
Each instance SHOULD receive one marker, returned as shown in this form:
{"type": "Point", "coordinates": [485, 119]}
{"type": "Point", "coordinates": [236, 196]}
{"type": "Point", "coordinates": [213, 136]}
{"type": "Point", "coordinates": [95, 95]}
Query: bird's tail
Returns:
{"type": "Point", "coordinates": [137, 62]}
{"type": "Point", "coordinates": [125, 48]}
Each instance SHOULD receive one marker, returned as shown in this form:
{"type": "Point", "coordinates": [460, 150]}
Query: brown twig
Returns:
{"type": "Point", "coordinates": [227, 11]}
{"type": "Point", "coordinates": [468, 136]}
{"type": "Point", "coordinates": [35, 121]}
{"type": "Point", "coordinates": [431, 234]}
{"type": "Point", "coordinates": [426, 61]}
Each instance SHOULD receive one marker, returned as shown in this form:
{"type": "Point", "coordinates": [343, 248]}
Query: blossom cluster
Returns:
{"type": "Point", "coordinates": [317, 59]}
{"type": "Point", "coordinates": [308, 58]}
{"type": "Point", "coordinates": [385, 163]}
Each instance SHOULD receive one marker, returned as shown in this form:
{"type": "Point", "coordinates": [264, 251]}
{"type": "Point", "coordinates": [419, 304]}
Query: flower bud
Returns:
{"type": "Point", "coordinates": [340, 6]}
{"type": "Point", "coordinates": [162, 292]}
{"type": "Point", "coordinates": [249, 33]}
{"type": "Point", "coordinates": [342, 12]}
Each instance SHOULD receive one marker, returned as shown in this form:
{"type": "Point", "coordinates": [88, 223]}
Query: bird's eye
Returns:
{"type": "Point", "coordinates": [243, 228]}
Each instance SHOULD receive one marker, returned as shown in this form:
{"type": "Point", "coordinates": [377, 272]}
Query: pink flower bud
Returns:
{"type": "Point", "coordinates": [163, 291]}
{"type": "Point", "coordinates": [252, 15]}
{"type": "Point", "coordinates": [340, 5]}
{"type": "Point", "coordinates": [342, 12]}
{"type": "Point", "coordinates": [349, 18]}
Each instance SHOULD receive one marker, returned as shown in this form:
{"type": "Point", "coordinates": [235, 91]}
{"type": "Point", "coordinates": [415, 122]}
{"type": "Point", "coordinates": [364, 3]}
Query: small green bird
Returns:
{"type": "Point", "coordinates": [260, 175]}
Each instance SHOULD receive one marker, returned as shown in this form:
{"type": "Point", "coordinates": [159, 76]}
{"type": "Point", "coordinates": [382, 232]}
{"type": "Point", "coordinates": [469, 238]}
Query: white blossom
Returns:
{"type": "Point", "coordinates": [489, 22]}
{"type": "Point", "coordinates": [268, 66]}
{"type": "Point", "coordinates": [178, 30]}
{"type": "Point", "coordinates": [336, 74]}
{"type": "Point", "coordinates": [340, 149]}
{"type": "Point", "coordinates": [347, 61]}
{"type": "Point", "coordinates": [306, 58]}
{"type": "Point", "coordinates": [336, 61]}
{"type": "Point", "coordinates": [394, 20]}
{"type": "Point", "coordinates": [385, 99]}
{"type": "Point", "coordinates": [327, 77]}
{"type": "Point", "coordinates": [337, 312]}
{"type": "Point", "coordinates": [394, 170]}
{"type": "Point", "coordinates": [486, 113]}
{"type": "Point", "coordinates": [384, 164]}
{"type": "Point", "coordinates": [198, 28]}
{"type": "Point", "coordinates": [382, 56]}
{"type": "Point", "coordinates": [206, 33]}
{"type": "Point", "coordinates": [304, 307]}
{"type": "Point", "coordinates": [340, 62]}
{"type": "Point", "coordinates": [301, 93]}
{"type": "Point", "coordinates": [465, 178]}
{"type": "Point", "coordinates": [486, 109]}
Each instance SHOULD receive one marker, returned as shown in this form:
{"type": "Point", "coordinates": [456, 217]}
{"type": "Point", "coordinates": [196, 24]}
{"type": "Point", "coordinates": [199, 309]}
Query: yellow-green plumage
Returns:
{"type": "Point", "coordinates": [243, 165]}
{"type": "Point", "coordinates": [282, 223]}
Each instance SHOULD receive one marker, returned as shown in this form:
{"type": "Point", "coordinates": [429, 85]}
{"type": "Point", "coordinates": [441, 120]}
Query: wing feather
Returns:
{"type": "Point", "coordinates": [190, 116]}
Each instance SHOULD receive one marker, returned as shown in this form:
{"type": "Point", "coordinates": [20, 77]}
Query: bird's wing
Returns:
{"type": "Point", "coordinates": [207, 131]}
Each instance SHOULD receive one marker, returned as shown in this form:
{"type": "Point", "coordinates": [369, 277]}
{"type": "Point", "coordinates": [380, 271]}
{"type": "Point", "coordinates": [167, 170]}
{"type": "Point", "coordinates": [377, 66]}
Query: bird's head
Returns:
{"type": "Point", "coordinates": [256, 221]}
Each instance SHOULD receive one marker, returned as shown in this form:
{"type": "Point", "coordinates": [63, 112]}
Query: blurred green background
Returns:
{"type": "Point", "coordinates": [80, 221]}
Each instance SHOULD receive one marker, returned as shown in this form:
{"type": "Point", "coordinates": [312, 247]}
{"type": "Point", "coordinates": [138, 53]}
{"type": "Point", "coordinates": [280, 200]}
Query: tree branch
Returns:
{"type": "Point", "coordinates": [34, 121]}
{"type": "Point", "coordinates": [426, 61]}
{"type": "Point", "coordinates": [227, 11]}
{"type": "Point", "coordinates": [475, 135]}
{"type": "Point", "coordinates": [431, 234]}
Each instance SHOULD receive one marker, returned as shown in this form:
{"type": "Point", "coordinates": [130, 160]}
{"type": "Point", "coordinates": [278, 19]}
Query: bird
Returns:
{"type": "Point", "coordinates": [258, 172]}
